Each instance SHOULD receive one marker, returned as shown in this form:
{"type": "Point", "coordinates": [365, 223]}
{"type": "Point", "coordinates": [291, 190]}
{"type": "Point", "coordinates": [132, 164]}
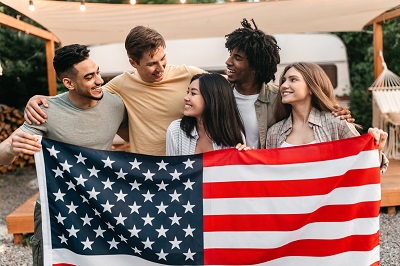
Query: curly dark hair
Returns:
{"type": "Point", "coordinates": [262, 50]}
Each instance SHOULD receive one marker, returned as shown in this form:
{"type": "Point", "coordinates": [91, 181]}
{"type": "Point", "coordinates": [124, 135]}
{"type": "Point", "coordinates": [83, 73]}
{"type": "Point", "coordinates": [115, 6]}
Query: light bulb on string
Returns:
{"type": "Point", "coordinates": [182, 1]}
{"type": "Point", "coordinates": [132, 2]}
{"type": "Point", "coordinates": [82, 7]}
{"type": "Point", "coordinates": [31, 6]}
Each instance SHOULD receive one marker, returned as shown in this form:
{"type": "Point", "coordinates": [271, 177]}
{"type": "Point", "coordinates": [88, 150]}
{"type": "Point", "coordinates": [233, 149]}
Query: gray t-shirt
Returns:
{"type": "Point", "coordinates": [93, 127]}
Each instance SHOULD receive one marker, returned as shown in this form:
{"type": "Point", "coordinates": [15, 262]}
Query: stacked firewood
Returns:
{"type": "Point", "coordinates": [10, 119]}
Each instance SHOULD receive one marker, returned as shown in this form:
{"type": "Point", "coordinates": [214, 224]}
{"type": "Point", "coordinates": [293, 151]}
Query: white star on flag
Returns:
{"type": "Point", "coordinates": [59, 195]}
{"type": "Point", "coordinates": [108, 184]}
{"type": "Point", "coordinates": [66, 166]}
{"type": "Point", "coordinates": [80, 180]}
{"type": "Point", "coordinates": [188, 163]}
{"type": "Point", "coordinates": [148, 244]}
{"type": "Point", "coordinates": [120, 196]}
{"type": "Point", "coordinates": [99, 232]}
{"type": "Point", "coordinates": [162, 231]}
{"type": "Point", "coordinates": [108, 162]}
{"type": "Point", "coordinates": [135, 185]}
{"type": "Point", "coordinates": [134, 231]}
{"type": "Point", "coordinates": [87, 244]}
{"type": "Point", "coordinates": [86, 220]}
{"type": "Point", "coordinates": [93, 171]}
{"type": "Point", "coordinates": [107, 207]}
{"type": "Point", "coordinates": [53, 151]}
{"type": "Point", "coordinates": [73, 231]}
{"type": "Point", "coordinates": [162, 255]}
{"type": "Point", "coordinates": [58, 172]}
{"type": "Point", "coordinates": [113, 244]}
{"type": "Point", "coordinates": [134, 207]}
{"type": "Point", "coordinates": [135, 164]}
{"type": "Point", "coordinates": [162, 165]}
{"type": "Point", "coordinates": [80, 158]}
{"type": "Point", "coordinates": [60, 219]}
{"type": "Point", "coordinates": [189, 231]}
{"type": "Point", "coordinates": [148, 219]}
{"type": "Point", "coordinates": [148, 175]}
{"type": "Point", "coordinates": [175, 243]}
{"type": "Point", "coordinates": [63, 239]}
{"type": "Point", "coordinates": [175, 175]}
{"type": "Point", "coordinates": [121, 174]}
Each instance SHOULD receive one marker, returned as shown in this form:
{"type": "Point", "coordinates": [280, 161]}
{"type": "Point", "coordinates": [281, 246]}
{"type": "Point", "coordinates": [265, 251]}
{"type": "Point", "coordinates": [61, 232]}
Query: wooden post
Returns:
{"type": "Point", "coordinates": [16, 24]}
{"type": "Point", "coordinates": [51, 73]}
{"type": "Point", "coordinates": [378, 46]}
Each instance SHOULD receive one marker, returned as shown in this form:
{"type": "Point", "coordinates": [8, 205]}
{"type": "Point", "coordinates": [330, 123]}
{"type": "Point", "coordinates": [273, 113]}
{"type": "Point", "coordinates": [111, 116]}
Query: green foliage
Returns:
{"type": "Point", "coordinates": [361, 63]}
{"type": "Point", "coordinates": [23, 60]}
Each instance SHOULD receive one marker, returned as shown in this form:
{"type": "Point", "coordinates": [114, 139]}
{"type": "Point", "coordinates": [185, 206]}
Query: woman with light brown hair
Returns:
{"type": "Point", "coordinates": [304, 111]}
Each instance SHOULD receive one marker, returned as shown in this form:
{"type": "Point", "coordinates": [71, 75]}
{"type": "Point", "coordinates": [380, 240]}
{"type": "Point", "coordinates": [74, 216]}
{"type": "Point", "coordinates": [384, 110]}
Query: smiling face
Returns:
{"type": "Point", "coordinates": [194, 101]}
{"type": "Point", "coordinates": [85, 85]}
{"type": "Point", "coordinates": [293, 88]}
{"type": "Point", "coordinates": [239, 70]}
{"type": "Point", "coordinates": [151, 66]}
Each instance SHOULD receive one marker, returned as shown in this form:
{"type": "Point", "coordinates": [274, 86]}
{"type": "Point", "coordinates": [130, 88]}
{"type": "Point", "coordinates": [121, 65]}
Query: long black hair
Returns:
{"type": "Point", "coordinates": [221, 118]}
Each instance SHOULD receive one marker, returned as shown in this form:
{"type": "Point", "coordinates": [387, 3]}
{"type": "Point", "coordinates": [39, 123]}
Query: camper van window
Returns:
{"type": "Point", "coordinates": [331, 71]}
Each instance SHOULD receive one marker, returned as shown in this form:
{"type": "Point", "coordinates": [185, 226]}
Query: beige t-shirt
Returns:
{"type": "Point", "coordinates": [152, 106]}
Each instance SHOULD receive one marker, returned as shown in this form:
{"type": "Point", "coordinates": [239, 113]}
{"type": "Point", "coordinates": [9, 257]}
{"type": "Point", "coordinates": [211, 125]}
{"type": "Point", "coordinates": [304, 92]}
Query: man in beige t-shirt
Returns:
{"type": "Point", "coordinates": [153, 93]}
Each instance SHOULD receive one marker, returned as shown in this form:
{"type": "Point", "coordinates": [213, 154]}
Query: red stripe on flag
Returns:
{"type": "Point", "coordinates": [331, 150]}
{"type": "Point", "coordinates": [290, 222]}
{"type": "Point", "coordinates": [308, 247]}
{"type": "Point", "coordinates": [290, 188]}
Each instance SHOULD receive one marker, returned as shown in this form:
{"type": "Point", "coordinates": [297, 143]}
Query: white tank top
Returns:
{"type": "Point", "coordinates": [285, 144]}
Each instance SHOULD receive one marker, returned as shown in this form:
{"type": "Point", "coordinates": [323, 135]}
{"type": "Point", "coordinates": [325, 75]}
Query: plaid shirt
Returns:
{"type": "Point", "coordinates": [326, 127]}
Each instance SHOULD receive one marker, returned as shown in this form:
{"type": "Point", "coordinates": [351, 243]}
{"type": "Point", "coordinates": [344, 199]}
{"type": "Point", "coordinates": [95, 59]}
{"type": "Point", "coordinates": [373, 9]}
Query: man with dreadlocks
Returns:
{"type": "Point", "coordinates": [252, 64]}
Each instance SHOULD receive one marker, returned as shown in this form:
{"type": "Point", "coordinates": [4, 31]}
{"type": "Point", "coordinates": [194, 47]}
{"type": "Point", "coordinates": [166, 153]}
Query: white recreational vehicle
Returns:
{"type": "Point", "coordinates": [210, 54]}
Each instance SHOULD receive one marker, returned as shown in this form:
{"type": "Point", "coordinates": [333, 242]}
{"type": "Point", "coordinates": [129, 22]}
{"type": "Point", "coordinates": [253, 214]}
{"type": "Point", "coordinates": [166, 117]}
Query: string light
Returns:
{"type": "Point", "coordinates": [132, 2]}
{"type": "Point", "coordinates": [82, 7]}
{"type": "Point", "coordinates": [182, 1]}
{"type": "Point", "coordinates": [31, 6]}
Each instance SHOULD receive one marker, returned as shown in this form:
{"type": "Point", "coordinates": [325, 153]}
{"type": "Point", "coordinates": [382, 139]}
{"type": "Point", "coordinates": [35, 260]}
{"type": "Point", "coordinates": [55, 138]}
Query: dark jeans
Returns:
{"type": "Point", "coordinates": [37, 238]}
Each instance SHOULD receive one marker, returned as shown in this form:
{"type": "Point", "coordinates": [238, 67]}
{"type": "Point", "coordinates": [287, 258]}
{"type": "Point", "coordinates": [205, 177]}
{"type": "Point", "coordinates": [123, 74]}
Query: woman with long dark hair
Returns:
{"type": "Point", "coordinates": [210, 121]}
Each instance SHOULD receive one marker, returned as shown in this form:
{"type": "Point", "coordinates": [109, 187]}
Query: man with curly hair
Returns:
{"type": "Point", "coordinates": [252, 64]}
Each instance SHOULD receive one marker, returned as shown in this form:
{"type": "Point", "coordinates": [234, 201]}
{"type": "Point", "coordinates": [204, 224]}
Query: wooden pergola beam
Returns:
{"type": "Point", "coordinates": [49, 38]}
{"type": "Point", "coordinates": [378, 37]}
{"type": "Point", "coordinates": [384, 17]}
{"type": "Point", "coordinates": [378, 46]}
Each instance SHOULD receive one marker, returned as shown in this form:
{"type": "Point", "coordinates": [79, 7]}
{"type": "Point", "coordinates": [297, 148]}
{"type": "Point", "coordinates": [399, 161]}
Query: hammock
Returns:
{"type": "Point", "coordinates": [386, 108]}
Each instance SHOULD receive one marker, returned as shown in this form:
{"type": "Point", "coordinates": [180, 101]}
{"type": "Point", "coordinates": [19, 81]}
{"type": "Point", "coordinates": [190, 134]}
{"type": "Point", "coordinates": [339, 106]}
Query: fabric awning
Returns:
{"type": "Point", "coordinates": [110, 23]}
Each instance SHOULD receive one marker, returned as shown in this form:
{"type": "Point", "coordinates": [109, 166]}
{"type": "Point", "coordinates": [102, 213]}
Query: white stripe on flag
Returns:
{"type": "Point", "coordinates": [321, 169]}
{"type": "Point", "coordinates": [353, 258]}
{"type": "Point", "coordinates": [67, 256]}
{"type": "Point", "coordinates": [291, 205]}
{"type": "Point", "coordinates": [275, 239]}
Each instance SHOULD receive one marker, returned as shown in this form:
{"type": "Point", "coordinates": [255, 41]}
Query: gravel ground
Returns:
{"type": "Point", "coordinates": [16, 189]}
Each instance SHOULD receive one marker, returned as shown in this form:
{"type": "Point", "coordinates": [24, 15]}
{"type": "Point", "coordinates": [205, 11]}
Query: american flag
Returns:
{"type": "Point", "coordinates": [311, 205]}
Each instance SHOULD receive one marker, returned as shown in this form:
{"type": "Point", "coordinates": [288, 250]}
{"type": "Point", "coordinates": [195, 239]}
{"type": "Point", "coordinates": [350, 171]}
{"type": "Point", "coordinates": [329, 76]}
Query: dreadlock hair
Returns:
{"type": "Point", "coordinates": [221, 119]}
{"type": "Point", "coordinates": [262, 50]}
{"type": "Point", "coordinates": [66, 57]}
